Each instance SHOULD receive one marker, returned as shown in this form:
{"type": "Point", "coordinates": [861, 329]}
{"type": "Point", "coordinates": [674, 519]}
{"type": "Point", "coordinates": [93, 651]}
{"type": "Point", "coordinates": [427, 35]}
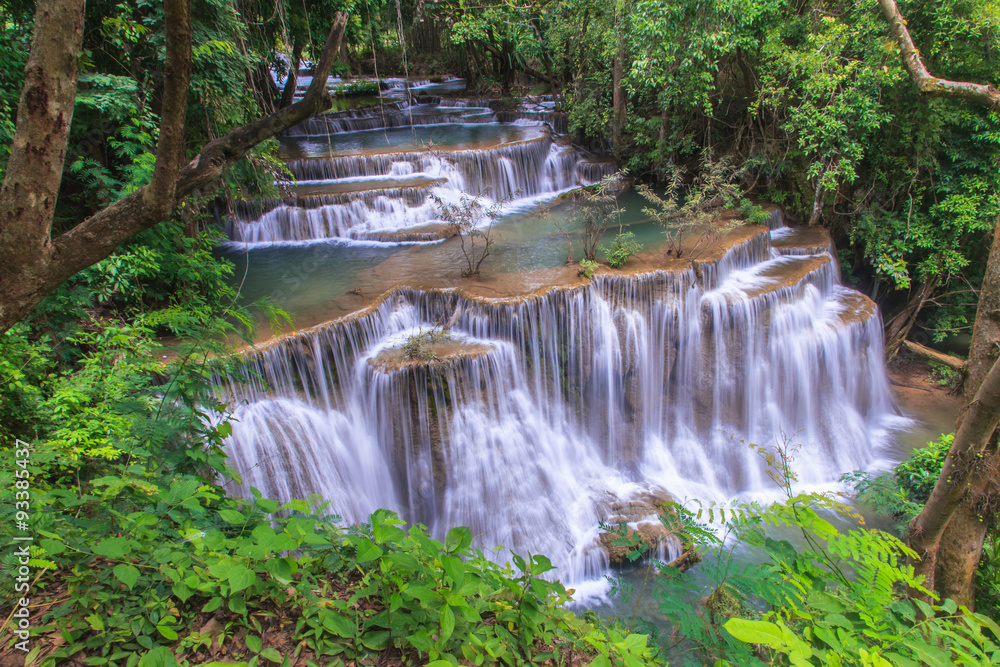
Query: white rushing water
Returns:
{"type": "Point", "coordinates": [572, 400]}
{"type": "Point", "coordinates": [384, 192]}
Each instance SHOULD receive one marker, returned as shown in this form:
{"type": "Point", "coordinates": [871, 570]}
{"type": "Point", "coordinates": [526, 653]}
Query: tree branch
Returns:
{"type": "Point", "coordinates": [97, 237]}
{"type": "Point", "coordinates": [951, 361]}
{"type": "Point", "coordinates": [973, 92]}
{"type": "Point", "coordinates": [101, 233]}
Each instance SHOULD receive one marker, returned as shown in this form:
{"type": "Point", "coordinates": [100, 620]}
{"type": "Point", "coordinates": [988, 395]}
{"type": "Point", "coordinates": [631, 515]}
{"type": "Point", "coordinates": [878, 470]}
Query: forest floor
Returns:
{"type": "Point", "coordinates": [920, 394]}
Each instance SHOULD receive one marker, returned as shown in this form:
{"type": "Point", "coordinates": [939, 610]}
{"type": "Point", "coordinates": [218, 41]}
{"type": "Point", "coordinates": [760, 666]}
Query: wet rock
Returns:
{"type": "Point", "coordinates": [642, 514]}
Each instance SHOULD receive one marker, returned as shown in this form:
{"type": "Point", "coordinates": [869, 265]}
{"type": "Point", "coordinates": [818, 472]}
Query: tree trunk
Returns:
{"type": "Point", "coordinates": [818, 198]}
{"type": "Point", "coordinates": [31, 263]}
{"type": "Point", "coordinates": [948, 533]}
{"type": "Point", "coordinates": [44, 114]}
{"type": "Point", "coordinates": [963, 465]}
{"type": "Point", "coordinates": [288, 93]}
{"type": "Point", "coordinates": [986, 329]}
{"type": "Point", "coordinates": [618, 102]}
{"type": "Point", "coordinates": [898, 328]}
{"type": "Point", "coordinates": [962, 547]}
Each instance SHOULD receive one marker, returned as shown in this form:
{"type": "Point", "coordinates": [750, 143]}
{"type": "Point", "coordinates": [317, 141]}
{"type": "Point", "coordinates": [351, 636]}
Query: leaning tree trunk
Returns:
{"type": "Point", "coordinates": [963, 477]}
{"type": "Point", "coordinates": [947, 534]}
{"type": "Point", "coordinates": [962, 540]}
{"type": "Point", "coordinates": [898, 328]}
{"type": "Point", "coordinates": [986, 330]}
{"type": "Point", "coordinates": [288, 93]}
{"type": "Point", "coordinates": [44, 114]}
{"type": "Point", "coordinates": [32, 263]}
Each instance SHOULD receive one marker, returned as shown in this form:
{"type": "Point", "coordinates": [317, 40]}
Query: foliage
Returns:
{"type": "Point", "coordinates": [598, 208]}
{"type": "Point", "coordinates": [987, 577]}
{"type": "Point", "coordinates": [685, 209]}
{"type": "Point", "coordinates": [417, 346]}
{"type": "Point", "coordinates": [622, 247]}
{"type": "Point", "coordinates": [918, 474]}
{"type": "Point", "coordinates": [356, 87]}
{"type": "Point", "coordinates": [902, 494]}
{"type": "Point", "coordinates": [835, 598]}
{"type": "Point", "coordinates": [471, 219]}
{"type": "Point", "coordinates": [138, 544]}
{"type": "Point", "coordinates": [945, 376]}
{"type": "Point", "coordinates": [156, 549]}
{"type": "Point", "coordinates": [587, 267]}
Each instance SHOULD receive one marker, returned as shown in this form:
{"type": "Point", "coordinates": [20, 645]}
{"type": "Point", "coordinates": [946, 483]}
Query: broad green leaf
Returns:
{"type": "Point", "coordinates": [339, 624]}
{"type": "Point", "coordinates": [231, 516]}
{"type": "Point", "coordinates": [240, 577]}
{"type": "Point", "coordinates": [756, 632]}
{"type": "Point", "coordinates": [212, 605]}
{"type": "Point", "coordinates": [458, 539]}
{"type": "Point", "coordinates": [447, 623]}
{"type": "Point", "coordinates": [127, 574]}
{"type": "Point", "coordinates": [254, 643]}
{"type": "Point", "coordinates": [113, 547]}
{"type": "Point", "coordinates": [271, 654]}
{"type": "Point", "coordinates": [160, 656]}
{"type": "Point", "coordinates": [368, 551]}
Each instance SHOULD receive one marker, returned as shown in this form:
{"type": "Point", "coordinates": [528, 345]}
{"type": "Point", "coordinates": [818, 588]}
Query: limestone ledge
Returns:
{"type": "Point", "coordinates": [502, 289]}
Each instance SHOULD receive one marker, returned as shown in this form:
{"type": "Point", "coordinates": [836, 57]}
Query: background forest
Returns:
{"type": "Point", "coordinates": [142, 558]}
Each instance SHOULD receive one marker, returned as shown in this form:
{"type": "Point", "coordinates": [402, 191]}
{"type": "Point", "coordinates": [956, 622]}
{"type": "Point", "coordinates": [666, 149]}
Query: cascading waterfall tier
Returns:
{"type": "Point", "coordinates": [385, 196]}
{"type": "Point", "coordinates": [543, 412]}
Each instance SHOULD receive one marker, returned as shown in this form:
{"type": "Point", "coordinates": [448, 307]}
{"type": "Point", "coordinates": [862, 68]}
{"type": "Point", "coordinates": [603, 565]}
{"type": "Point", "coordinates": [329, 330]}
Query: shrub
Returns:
{"type": "Point", "coordinates": [623, 246]}
{"type": "Point", "coordinates": [416, 346]}
{"type": "Point", "coordinates": [587, 267]}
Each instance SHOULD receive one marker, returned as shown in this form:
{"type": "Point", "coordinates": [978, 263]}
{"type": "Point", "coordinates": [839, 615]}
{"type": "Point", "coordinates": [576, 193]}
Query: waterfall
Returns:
{"type": "Point", "coordinates": [376, 205]}
{"type": "Point", "coordinates": [364, 197]}
{"type": "Point", "coordinates": [541, 413]}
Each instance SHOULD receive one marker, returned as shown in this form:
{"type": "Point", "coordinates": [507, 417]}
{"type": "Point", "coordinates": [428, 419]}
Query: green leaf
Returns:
{"type": "Point", "coordinates": [113, 547]}
{"type": "Point", "coordinates": [212, 605]}
{"type": "Point", "coordinates": [279, 569]}
{"type": "Point", "coordinates": [127, 574]}
{"type": "Point", "coordinates": [240, 577]}
{"type": "Point", "coordinates": [368, 551]}
{"type": "Point", "coordinates": [160, 656]}
{"type": "Point", "coordinates": [447, 623]}
{"type": "Point", "coordinates": [339, 624]}
{"type": "Point", "coordinates": [254, 643]}
{"type": "Point", "coordinates": [458, 538]}
{"type": "Point", "coordinates": [167, 632]}
{"type": "Point", "coordinates": [231, 516]}
{"type": "Point", "coordinates": [454, 568]}
{"type": "Point", "coordinates": [271, 654]}
{"type": "Point", "coordinates": [756, 632]}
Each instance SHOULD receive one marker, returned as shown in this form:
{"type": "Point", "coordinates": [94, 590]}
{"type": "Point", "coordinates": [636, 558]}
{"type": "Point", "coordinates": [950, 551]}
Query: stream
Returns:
{"type": "Point", "coordinates": [553, 402]}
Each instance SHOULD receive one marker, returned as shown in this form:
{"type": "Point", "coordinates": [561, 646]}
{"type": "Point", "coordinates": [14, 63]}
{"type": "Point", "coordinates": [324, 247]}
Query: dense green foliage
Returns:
{"type": "Point", "coordinates": [142, 558]}
{"type": "Point", "coordinates": [802, 592]}
{"type": "Point", "coordinates": [179, 551]}
{"type": "Point", "coordinates": [902, 494]}
{"type": "Point", "coordinates": [809, 95]}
